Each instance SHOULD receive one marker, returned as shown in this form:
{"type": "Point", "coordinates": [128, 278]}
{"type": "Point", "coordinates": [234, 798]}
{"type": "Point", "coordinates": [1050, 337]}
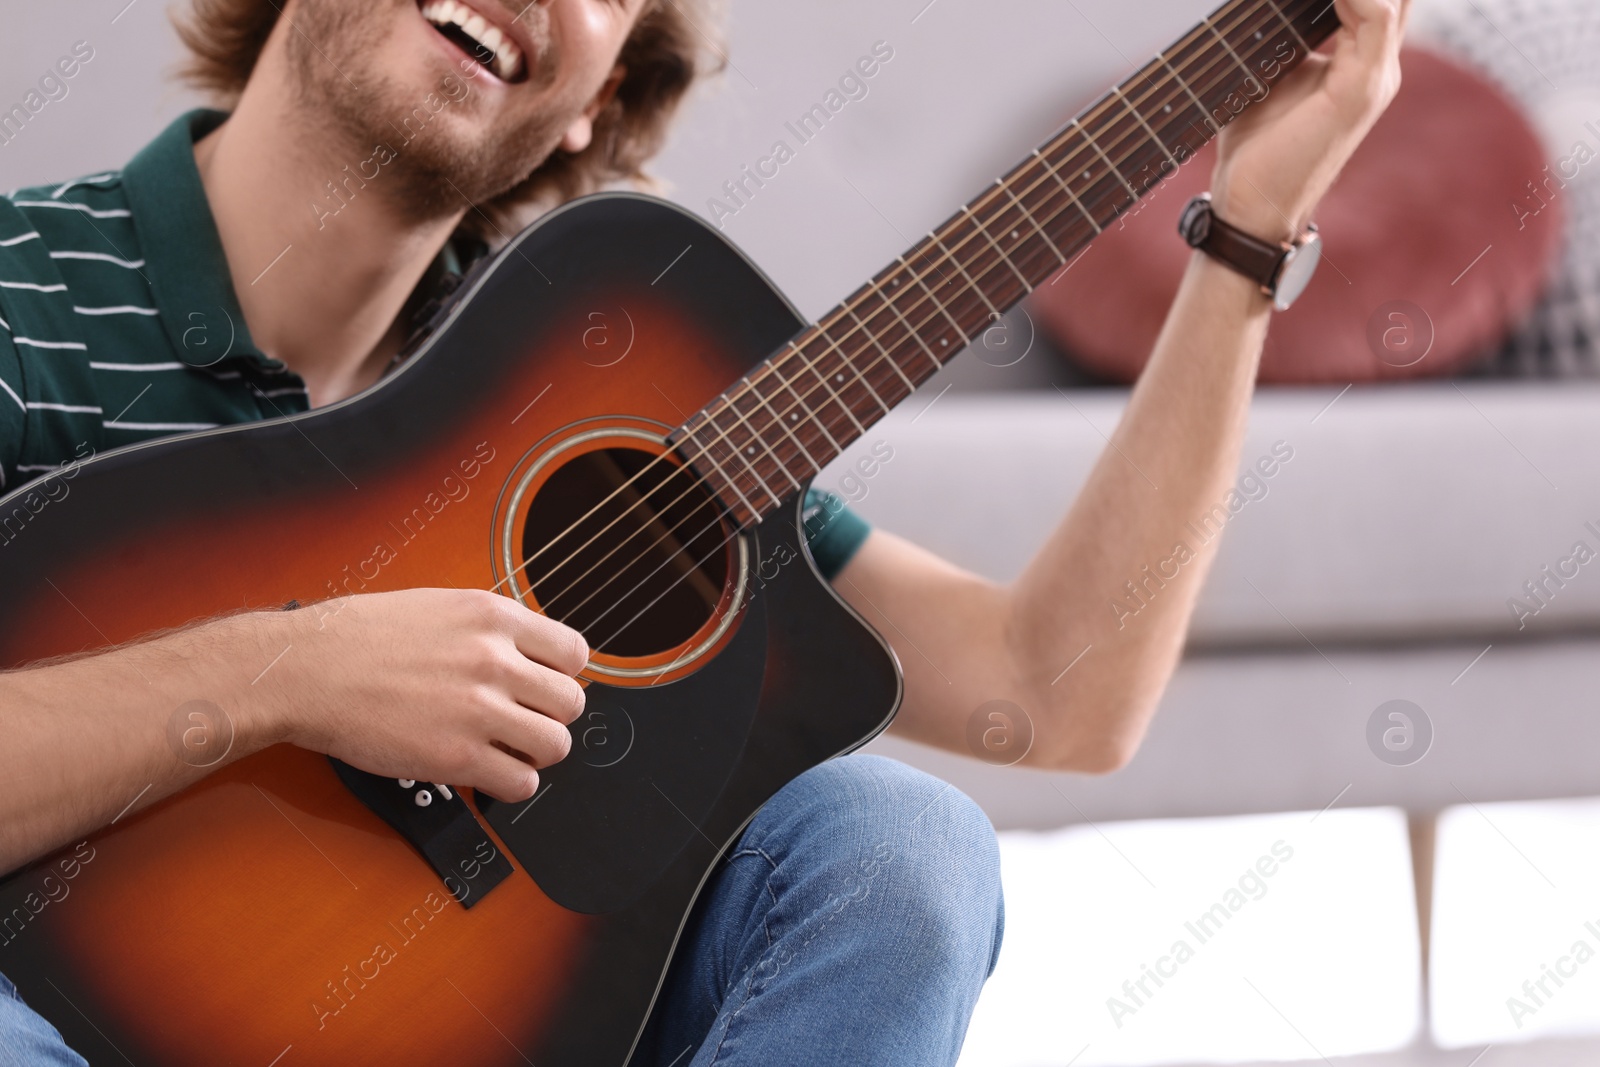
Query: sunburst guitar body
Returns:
{"type": "Point", "coordinates": [291, 911]}
{"type": "Point", "coordinates": [614, 421]}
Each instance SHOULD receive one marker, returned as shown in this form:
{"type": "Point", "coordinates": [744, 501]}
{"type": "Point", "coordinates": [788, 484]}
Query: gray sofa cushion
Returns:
{"type": "Point", "coordinates": [1412, 512]}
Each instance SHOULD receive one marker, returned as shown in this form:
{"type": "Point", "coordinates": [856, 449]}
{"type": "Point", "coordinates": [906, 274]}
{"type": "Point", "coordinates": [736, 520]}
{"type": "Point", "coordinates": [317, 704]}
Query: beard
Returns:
{"type": "Point", "coordinates": [439, 167]}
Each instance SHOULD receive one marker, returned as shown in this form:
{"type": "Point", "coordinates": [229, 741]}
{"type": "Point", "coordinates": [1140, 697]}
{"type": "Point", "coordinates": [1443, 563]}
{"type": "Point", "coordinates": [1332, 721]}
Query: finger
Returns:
{"type": "Point", "coordinates": [548, 692]}
{"type": "Point", "coordinates": [504, 777]}
{"type": "Point", "coordinates": [544, 640]}
{"type": "Point", "coordinates": [1373, 25]}
{"type": "Point", "coordinates": [540, 738]}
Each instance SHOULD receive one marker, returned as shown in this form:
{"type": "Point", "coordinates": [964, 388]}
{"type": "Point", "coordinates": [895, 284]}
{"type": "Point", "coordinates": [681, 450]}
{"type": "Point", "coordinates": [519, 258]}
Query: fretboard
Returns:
{"type": "Point", "coordinates": [778, 426]}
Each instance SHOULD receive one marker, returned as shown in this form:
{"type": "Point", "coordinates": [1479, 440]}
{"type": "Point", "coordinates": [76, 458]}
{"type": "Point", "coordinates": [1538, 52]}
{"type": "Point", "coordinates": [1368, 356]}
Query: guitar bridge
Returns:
{"type": "Point", "coordinates": [436, 821]}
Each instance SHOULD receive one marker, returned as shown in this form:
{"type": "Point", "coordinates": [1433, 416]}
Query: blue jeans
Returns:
{"type": "Point", "coordinates": [26, 1040]}
{"type": "Point", "coordinates": [854, 923]}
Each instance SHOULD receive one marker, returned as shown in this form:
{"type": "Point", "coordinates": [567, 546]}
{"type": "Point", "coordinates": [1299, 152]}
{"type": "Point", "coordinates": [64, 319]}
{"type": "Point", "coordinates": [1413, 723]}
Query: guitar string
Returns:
{"type": "Point", "coordinates": [549, 603]}
{"type": "Point", "coordinates": [1002, 262]}
{"type": "Point", "coordinates": [699, 563]}
{"type": "Point", "coordinates": [1001, 259]}
{"type": "Point", "coordinates": [796, 349]}
{"type": "Point", "coordinates": [774, 364]}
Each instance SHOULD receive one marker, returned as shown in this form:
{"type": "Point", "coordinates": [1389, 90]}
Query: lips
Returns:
{"type": "Point", "coordinates": [478, 37]}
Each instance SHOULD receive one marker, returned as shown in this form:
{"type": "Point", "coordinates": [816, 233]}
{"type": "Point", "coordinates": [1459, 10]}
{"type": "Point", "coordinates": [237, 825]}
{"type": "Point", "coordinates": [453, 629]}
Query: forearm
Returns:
{"type": "Point", "coordinates": [97, 738]}
{"type": "Point", "coordinates": [1172, 458]}
{"type": "Point", "coordinates": [964, 642]}
{"type": "Point", "coordinates": [1087, 638]}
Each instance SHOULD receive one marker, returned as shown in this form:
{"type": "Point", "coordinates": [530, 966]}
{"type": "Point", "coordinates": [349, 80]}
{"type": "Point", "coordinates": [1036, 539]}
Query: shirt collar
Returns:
{"type": "Point", "coordinates": [183, 254]}
{"type": "Point", "coordinates": [184, 260]}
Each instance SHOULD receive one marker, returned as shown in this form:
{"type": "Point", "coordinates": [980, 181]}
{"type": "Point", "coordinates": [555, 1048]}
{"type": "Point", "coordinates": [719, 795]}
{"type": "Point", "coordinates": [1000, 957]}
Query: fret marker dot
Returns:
{"type": "Point", "coordinates": [944, 342]}
{"type": "Point", "coordinates": [1086, 175]}
{"type": "Point", "coordinates": [1258, 35]}
{"type": "Point", "coordinates": [1013, 235]}
{"type": "Point", "coordinates": [1167, 109]}
{"type": "Point", "coordinates": [838, 377]}
{"type": "Point", "coordinates": [794, 418]}
{"type": "Point", "coordinates": [751, 450]}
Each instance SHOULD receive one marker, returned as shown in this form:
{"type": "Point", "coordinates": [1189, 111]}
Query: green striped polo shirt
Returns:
{"type": "Point", "coordinates": [119, 322]}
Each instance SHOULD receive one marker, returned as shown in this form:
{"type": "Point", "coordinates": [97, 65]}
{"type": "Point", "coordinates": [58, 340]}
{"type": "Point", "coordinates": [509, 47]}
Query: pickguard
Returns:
{"type": "Point", "coordinates": [647, 766]}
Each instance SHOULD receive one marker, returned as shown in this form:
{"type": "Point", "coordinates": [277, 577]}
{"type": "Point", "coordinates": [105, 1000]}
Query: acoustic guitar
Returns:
{"type": "Point", "coordinates": [614, 419]}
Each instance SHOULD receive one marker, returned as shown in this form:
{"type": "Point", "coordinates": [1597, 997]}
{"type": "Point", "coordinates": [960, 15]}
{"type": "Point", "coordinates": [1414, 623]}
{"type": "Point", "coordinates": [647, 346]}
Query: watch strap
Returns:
{"type": "Point", "coordinates": [1256, 259]}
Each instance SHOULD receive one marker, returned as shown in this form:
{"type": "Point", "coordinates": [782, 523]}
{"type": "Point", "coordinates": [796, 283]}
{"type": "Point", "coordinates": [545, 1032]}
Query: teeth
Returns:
{"type": "Point", "coordinates": [507, 57]}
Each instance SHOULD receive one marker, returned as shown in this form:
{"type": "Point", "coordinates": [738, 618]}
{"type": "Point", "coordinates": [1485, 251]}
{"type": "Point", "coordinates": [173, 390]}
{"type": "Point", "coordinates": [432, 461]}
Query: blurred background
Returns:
{"type": "Point", "coordinates": [1362, 809]}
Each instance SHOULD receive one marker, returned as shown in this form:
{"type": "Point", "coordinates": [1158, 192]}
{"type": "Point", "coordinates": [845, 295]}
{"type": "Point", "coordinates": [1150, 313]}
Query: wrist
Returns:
{"type": "Point", "coordinates": [1256, 217]}
{"type": "Point", "coordinates": [1228, 290]}
{"type": "Point", "coordinates": [266, 705]}
{"type": "Point", "coordinates": [1280, 268]}
{"type": "Point", "coordinates": [1242, 203]}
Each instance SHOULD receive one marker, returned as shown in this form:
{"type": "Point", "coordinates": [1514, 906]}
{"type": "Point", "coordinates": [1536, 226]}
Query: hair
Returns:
{"type": "Point", "coordinates": [662, 57]}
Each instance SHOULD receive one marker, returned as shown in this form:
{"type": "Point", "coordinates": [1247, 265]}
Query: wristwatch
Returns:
{"type": "Point", "coordinates": [1282, 269]}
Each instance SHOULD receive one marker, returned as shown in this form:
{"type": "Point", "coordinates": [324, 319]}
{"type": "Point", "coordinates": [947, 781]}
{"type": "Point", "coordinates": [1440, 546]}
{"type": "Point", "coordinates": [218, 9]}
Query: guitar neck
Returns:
{"type": "Point", "coordinates": [783, 422]}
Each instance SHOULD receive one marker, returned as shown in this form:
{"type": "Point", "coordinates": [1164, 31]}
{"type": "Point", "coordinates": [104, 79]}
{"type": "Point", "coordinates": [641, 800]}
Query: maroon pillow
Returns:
{"type": "Point", "coordinates": [1431, 250]}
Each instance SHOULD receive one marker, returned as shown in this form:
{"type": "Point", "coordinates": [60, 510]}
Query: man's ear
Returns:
{"type": "Point", "coordinates": [581, 132]}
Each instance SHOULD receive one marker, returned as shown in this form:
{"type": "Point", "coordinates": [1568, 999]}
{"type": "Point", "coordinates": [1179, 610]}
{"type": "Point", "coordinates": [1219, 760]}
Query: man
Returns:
{"type": "Point", "coordinates": [113, 287]}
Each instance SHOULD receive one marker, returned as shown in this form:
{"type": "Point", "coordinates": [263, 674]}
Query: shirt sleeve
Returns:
{"type": "Point", "coordinates": [13, 413]}
{"type": "Point", "coordinates": [833, 531]}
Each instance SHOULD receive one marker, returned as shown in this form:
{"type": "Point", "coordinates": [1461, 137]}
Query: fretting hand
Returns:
{"type": "Point", "coordinates": [1277, 160]}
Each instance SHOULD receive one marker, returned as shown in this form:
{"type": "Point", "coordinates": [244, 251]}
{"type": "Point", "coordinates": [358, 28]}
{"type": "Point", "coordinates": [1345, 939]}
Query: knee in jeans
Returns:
{"type": "Point", "coordinates": [936, 845]}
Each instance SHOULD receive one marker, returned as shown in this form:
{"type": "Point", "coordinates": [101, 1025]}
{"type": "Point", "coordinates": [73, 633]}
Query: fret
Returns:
{"type": "Point", "coordinates": [1135, 113]}
{"type": "Point", "coordinates": [1096, 146]}
{"type": "Point", "coordinates": [1206, 79]}
{"type": "Point", "coordinates": [1003, 257]}
{"type": "Point", "coordinates": [1248, 77]}
{"type": "Point", "coordinates": [961, 333]}
{"type": "Point", "coordinates": [761, 402]}
{"type": "Point", "coordinates": [962, 270]}
{"type": "Point", "coordinates": [1098, 229]}
{"type": "Point", "coordinates": [1277, 36]}
{"type": "Point", "coordinates": [1013, 231]}
{"type": "Point", "coordinates": [877, 340]}
{"type": "Point", "coordinates": [1259, 36]}
{"type": "Point", "coordinates": [800, 402]}
{"type": "Point", "coordinates": [1261, 46]}
{"type": "Point", "coordinates": [915, 334]}
{"type": "Point", "coordinates": [728, 430]}
{"type": "Point", "coordinates": [746, 451]}
{"type": "Point", "coordinates": [1221, 64]}
{"type": "Point", "coordinates": [833, 346]}
{"type": "Point", "coordinates": [1021, 207]}
{"type": "Point", "coordinates": [1305, 49]}
{"type": "Point", "coordinates": [708, 450]}
{"type": "Point", "coordinates": [1205, 114]}
{"type": "Point", "coordinates": [777, 419]}
{"type": "Point", "coordinates": [729, 481]}
{"type": "Point", "coordinates": [1173, 120]}
{"type": "Point", "coordinates": [849, 414]}
{"type": "Point", "coordinates": [918, 312]}
{"type": "Point", "coordinates": [755, 474]}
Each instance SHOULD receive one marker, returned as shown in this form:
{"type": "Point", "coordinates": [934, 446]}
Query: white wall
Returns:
{"type": "Point", "coordinates": [972, 86]}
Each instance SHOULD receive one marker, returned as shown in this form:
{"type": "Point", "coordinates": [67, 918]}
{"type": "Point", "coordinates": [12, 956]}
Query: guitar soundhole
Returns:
{"type": "Point", "coordinates": [627, 548]}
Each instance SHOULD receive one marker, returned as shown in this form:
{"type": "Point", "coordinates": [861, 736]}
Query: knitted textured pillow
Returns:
{"type": "Point", "coordinates": [1426, 267]}
{"type": "Point", "coordinates": [1545, 54]}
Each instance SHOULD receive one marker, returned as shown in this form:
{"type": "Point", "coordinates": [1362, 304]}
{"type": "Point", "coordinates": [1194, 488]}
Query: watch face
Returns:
{"type": "Point", "coordinates": [1195, 224]}
{"type": "Point", "coordinates": [1298, 268]}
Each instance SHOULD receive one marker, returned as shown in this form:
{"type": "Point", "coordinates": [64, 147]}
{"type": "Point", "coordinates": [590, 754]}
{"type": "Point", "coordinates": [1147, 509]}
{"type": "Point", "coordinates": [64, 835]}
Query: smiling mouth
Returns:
{"type": "Point", "coordinates": [477, 37]}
